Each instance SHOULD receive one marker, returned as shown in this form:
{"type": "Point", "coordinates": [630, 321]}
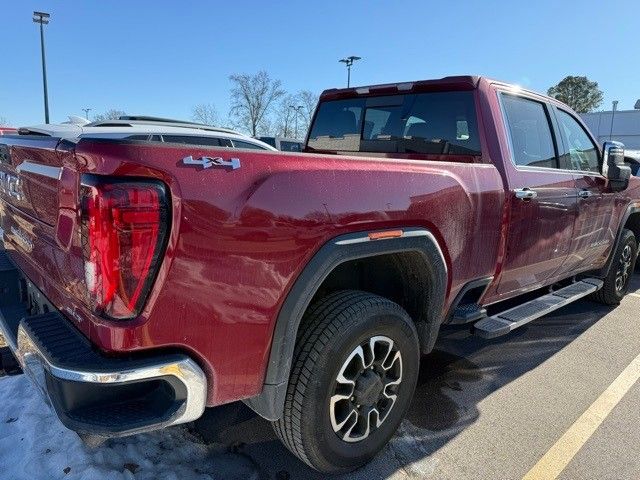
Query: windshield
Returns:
{"type": "Point", "coordinates": [430, 123]}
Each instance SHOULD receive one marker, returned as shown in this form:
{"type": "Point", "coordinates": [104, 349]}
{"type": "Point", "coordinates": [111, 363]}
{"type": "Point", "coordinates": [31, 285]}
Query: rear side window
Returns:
{"type": "Point", "coordinates": [290, 146]}
{"type": "Point", "coordinates": [530, 132]}
{"type": "Point", "coordinates": [442, 123]}
{"type": "Point", "coordinates": [192, 140]}
{"type": "Point", "coordinates": [252, 146]}
{"type": "Point", "coordinates": [583, 154]}
{"type": "Point", "coordinates": [270, 140]}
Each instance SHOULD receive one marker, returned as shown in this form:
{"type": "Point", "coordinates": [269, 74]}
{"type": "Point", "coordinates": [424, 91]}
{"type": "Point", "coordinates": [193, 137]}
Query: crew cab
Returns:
{"type": "Point", "coordinates": [144, 281]}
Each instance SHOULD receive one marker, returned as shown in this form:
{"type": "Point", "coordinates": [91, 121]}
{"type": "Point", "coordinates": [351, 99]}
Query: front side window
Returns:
{"type": "Point", "coordinates": [530, 132]}
{"type": "Point", "coordinates": [583, 154]}
{"type": "Point", "coordinates": [439, 123]}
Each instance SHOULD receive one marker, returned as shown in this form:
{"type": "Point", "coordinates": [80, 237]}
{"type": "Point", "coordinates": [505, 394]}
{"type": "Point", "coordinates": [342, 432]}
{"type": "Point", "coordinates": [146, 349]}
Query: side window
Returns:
{"type": "Point", "coordinates": [138, 137]}
{"type": "Point", "coordinates": [583, 154]}
{"type": "Point", "coordinates": [192, 140]}
{"type": "Point", "coordinates": [241, 144]}
{"type": "Point", "coordinates": [530, 132]}
{"type": "Point", "coordinates": [290, 146]}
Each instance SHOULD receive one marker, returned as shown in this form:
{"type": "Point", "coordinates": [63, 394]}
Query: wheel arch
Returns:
{"type": "Point", "coordinates": [419, 242]}
{"type": "Point", "coordinates": [630, 220]}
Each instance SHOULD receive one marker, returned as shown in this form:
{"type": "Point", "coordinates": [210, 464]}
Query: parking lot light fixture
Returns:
{"type": "Point", "coordinates": [613, 115]}
{"type": "Point", "coordinates": [297, 114]}
{"type": "Point", "coordinates": [43, 19]}
{"type": "Point", "coordinates": [348, 61]}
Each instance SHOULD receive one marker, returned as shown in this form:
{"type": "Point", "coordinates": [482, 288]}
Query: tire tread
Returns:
{"type": "Point", "coordinates": [321, 323]}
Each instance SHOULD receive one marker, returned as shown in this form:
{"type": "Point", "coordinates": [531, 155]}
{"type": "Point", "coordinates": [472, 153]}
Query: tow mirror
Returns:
{"type": "Point", "coordinates": [614, 168]}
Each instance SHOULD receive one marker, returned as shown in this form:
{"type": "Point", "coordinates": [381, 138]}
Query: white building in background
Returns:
{"type": "Point", "coordinates": [625, 127]}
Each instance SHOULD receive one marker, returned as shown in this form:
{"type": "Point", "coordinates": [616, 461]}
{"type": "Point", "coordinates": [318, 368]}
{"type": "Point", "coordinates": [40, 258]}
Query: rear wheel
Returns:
{"type": "Point", "coordinates": [616, 283]}
{"type": "Point", "coordinates": [354, 373]}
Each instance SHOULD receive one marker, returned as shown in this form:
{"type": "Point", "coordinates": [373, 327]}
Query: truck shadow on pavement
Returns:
{"type": "Point", "coordinates": [453, 379]}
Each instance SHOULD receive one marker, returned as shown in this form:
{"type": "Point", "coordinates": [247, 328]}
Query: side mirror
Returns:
{"type": "Point", "coordinates": [614, 169]}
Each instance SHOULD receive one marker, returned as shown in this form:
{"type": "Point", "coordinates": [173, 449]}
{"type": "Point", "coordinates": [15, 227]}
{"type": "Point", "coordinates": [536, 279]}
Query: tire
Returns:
{"type": "Point", "coordinates": [332, 330]}
{"type": "Point", "coordinates": [616, 283]}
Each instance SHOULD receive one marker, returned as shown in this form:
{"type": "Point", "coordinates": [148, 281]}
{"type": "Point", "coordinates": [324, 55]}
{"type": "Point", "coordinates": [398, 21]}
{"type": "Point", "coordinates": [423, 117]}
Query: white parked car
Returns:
{"type": "Point", "coordinates": [152, 129]}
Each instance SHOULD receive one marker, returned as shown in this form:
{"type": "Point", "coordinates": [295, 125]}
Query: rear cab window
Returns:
{"type": "Point", "coordinates": [438, 123]}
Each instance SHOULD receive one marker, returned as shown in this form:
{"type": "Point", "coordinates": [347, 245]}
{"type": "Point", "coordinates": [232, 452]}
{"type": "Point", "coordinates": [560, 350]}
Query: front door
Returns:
{"type": "Point", "coordinates": [542, 199]}
{"type": "Point", "coordinates": [596, 224]}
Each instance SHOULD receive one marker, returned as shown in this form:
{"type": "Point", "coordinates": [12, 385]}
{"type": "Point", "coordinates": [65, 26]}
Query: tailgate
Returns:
{"type": "Point", "coordinates": [29, 174]}
{"type": "Point", "coordinates": [38, 218]}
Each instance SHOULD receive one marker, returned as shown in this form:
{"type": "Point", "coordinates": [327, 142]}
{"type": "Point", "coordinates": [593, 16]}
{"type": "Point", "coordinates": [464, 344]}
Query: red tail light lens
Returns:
{"type": "Point", "coordinates": [124, 231]}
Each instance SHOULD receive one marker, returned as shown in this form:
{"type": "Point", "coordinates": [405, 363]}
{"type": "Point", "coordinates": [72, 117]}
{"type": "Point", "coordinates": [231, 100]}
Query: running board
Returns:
{"type": "Point", "coordinates": [509, 320]}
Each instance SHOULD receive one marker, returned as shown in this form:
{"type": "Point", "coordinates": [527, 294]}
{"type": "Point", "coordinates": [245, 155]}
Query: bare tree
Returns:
{"type": "Point", "coordinates": [309, 101]}
{"type": "Point", "coordinates": [252, 99]}
{"type": "Point", "coordinates": [205, 113]}
{"type": "Point", "coordinates": [111, 114]}
{"type": "Point", "coordinates": [285, 117]}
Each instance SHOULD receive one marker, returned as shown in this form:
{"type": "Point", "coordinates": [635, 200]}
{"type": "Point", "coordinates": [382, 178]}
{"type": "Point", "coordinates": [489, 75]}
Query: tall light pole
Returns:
{"type": "Point", "coordinates": [86, 112]}
{"type": "Point", "coordinates": [348, 62]}
{"type": "Point", "coordinates": [613, 115]}
{"type": "Point", "coordinates": [297, 110]}
{"type": "Point", "coordinates": [43, 19]}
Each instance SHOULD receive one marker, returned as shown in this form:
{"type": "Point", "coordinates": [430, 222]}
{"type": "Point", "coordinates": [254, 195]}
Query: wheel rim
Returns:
{"type": "Point", "coordinates": [366, 389]}
{"type": "Point", "coordinates": [624, 268]}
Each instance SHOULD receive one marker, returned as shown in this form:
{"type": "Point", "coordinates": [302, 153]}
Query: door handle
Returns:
{"type": "Point", "coordinates": [525, 193]}
{"type": "Point", "coordinates": [585, 193]}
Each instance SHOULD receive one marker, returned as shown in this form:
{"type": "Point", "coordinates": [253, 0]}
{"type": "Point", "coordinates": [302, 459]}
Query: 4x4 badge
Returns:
{"type": "Point", "coordinates": [208, 162]}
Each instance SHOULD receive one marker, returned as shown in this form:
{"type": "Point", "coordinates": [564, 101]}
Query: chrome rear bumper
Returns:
{"type": "Point", "coordinates": [93, 393]}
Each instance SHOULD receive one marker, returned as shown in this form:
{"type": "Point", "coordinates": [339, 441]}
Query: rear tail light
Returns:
{"type": "Point", "coordinates": [125, 224]}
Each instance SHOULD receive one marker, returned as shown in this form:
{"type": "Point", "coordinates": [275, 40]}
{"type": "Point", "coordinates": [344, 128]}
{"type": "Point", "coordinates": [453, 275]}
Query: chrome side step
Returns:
{"type": "Point", "coordinates": [509, 320]}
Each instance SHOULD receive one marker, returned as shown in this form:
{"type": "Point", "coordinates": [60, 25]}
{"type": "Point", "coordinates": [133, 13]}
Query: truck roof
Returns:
{"type": "Point", "coordinates": [462, 82]}
{"type": "Point", "coordinates": [457, 82]}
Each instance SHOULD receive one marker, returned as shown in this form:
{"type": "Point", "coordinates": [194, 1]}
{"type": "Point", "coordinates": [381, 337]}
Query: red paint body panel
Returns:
{"type": "Point", "coordinates": [240, 238]}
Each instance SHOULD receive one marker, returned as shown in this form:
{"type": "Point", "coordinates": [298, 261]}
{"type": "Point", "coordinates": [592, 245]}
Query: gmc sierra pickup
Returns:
{"type": "Point", "coordinates": [144, 281]}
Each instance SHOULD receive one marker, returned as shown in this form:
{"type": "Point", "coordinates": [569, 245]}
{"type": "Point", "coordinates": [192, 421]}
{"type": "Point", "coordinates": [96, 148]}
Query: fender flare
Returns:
{"type": "Point", "coordinates": [631, 209]}
{"type": "Point", "coordinates": [270, 402]}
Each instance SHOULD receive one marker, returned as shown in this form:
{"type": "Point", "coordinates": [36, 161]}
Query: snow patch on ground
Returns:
{"type": "Point", "coordinates": [35, 445]}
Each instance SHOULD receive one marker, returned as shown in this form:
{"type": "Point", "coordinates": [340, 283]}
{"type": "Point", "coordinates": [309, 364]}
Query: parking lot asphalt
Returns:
{"type": "Point", "coordinates": [492, 409]}
{"type": "Point", "coordinates": [556, 398]}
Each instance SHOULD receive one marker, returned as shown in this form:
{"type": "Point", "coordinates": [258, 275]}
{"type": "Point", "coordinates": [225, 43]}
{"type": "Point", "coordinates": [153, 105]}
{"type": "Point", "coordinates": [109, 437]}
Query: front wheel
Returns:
{"type": "Point", "coordinates": [354, 372]}
{"type": "Point", "coordinates": [616, 283]}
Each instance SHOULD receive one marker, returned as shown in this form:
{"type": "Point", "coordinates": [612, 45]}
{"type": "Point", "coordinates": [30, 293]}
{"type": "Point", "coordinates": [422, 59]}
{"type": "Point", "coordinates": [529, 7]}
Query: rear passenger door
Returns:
{"type": "Point", "coordinates": [595, 227]}
{"type": "Point", "coordinates": [542, 198]}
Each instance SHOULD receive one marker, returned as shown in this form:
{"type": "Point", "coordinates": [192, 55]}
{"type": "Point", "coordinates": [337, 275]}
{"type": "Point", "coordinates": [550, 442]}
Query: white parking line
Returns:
{"type": "Point", "coordinates": [562, 452]}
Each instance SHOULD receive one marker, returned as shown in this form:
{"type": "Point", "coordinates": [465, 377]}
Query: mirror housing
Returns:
{"type": "Point", "coordinates": [614, 168]}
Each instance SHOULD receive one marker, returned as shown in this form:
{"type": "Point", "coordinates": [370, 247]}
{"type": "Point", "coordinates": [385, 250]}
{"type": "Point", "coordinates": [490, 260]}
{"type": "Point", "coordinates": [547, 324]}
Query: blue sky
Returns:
{"type": "Point", "coordinates": [163, 57]}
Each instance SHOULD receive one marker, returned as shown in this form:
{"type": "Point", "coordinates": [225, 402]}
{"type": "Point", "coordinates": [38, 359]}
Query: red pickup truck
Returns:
{"type": "Point", "coordinates": [146, 281]}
